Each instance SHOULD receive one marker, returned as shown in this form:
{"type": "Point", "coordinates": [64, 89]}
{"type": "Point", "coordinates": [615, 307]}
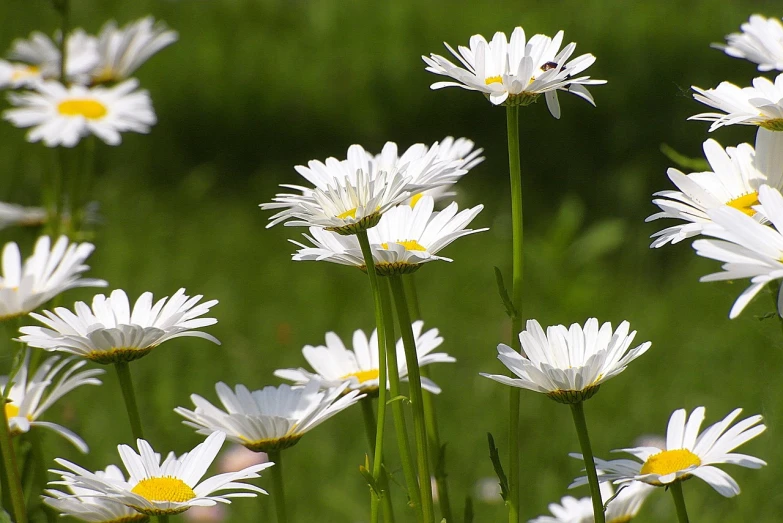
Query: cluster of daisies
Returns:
{"type": "Point", "coordinates": [66, 90]}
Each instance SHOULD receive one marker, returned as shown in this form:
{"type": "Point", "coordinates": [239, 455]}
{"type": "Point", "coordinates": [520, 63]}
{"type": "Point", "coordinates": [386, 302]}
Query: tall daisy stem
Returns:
{"type": "Point", "coordinates": [431, 418]}
{"type": "Point", "coordinates": [679, 501]}
{"type": "Point", "coordinates": [277, 485]}
{"type": "Point", "coordinates": [578, 411]}
{"type": "Point", "coordinates": [369, 423]}
{"type": "Point", "coordinates": [408, 463]}
{"type": "Point", "coordinates": [369, 427]}
{"type": "Point", "coordinates": [13, 482]}
{"type": "Point", "coordinates": [417, 403]}
{"type": "Point", "coordinates": [63, 8]}
{"type": "Point", "coordinates": [380, 325]}
{"type": "Point", "coordinates": [126, 384]}
{"type": "Point", "coordinates": [515, 173]}
{"type": "Point", "coordinates": [163, 518]}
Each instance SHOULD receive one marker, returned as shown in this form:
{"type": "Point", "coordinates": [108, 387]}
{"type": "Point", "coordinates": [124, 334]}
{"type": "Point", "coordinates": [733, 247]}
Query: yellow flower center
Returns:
{"type": "Point", "coordinates": [164, 489]}
{"type": "Point", "coordinates": [745, 203]}
{"type": "Point", "coordinates": [363, 375]}
{"type": "Point", "coordinates": [90, 109]}
{"type": "Point", "coordinates": [410, 245]}
{"type": "Point", "coordinates": [11, 410]}
{"type": "Point", "coordinates": [351, 213]}
{"type": "Point", "coordinates": [25, 72]}
{"type": "Point", "coordinates": [670, 461]}
{"type": "Point", "coordinates": [415, 199]}
{"type": "Point", "coordinates": [494, 80]}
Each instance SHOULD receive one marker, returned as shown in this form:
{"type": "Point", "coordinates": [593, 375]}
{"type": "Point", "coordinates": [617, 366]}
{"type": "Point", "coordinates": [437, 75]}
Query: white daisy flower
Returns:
{"type": "Point", "coordinates": [171, 487]}
{"type": "Point", "coordinates": [26, 286]}
{"type": "Point", "coordinates": [335, 365]}
{"type": "Point", "coordinates": [15, 214]}
{"type": "Point", "coordinates": [29, 399]}
{"type": "Point", "coordinates": [351, 195]}
{"type": "Point", "coordinates": [516, 72]}
{"type": "Point", "coordinates": [41, 55]}
{"type": "Point", "coordinates": [404, 238]}
{"type": "Point", "coordinates": [687, 454]}
{"type": "Point", "coordinates": [760, 105]}
{"type": "Point", "coordinates": [90, 505]}
{"type": "Point", "coordinates": [747, 248]}
{"type": "Point", "coordinates": [761, 42]}
{"type": "Point", "coordinates": [737, 173]}
{"type": "Point", "coordinates": [270, 419]}
{"type": "Point", "coordinates": [15, 75]}
{"type": "Point", "coordinates": [122, 51]}
{"type": "Point", "coordinates": [568, 364]}
{"type": "Point", "coordinates": [62, 115]}
{"type": "Point", "coordinates": [111, 332]}
{"type": "Point", "coordinates": [624, 507]}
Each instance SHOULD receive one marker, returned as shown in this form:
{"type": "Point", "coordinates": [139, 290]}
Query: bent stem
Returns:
{"type": "Point", "coordinates": [277, 485]}
{"type": "Point", "coordinates": [126, 384]}
{"type": "Point", "coordinates": [577, 409]}
{"type": "Point", "coordinates": [13, 482]}
{"type": "Point", "coordinates": [679, 501]}
{"type": "Point", "coordinates": [437, 451]}
{"type": "Point", "coordinates": [515, 175]}
{"type": "Point", "coordinates": [417, 403]}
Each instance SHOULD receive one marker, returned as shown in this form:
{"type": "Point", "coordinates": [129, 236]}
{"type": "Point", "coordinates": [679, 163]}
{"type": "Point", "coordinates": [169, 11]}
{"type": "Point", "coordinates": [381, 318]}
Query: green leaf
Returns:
{"type": "Point", "coordinates": [398, 398]}
{"type": "Point", "coordinates": [494, 456]}
{"type": "Point", "coordinates": [364, 470]}
{"type": "Point", "coordinates": [510, 310]}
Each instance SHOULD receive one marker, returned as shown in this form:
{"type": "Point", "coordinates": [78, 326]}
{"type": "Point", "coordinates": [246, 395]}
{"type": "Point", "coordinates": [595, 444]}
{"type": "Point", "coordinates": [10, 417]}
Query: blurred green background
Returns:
{"type": "Point", "coordinates": [255, 87]}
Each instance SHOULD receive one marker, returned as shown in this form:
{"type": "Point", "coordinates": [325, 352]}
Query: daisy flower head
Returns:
{"type": "Point", "coordinates": [270, 419]}
{"type": "Point", "coordinates": [761, 42]}
{"type": "Point", "coordinates": [351, 195]}
{"type": "Point", "coordinates": [516, 72]}
{"type": "Point", "coordinates": [747, 248]}
{"type": "Point", "coordinates": [568, 364]}
{"type": "Point", "coordinates": [111, 332]}
{"type": "Point", "coordinates": [38, 58]}
{"type": "Point", "coordinates": [170, 487]}
{"type": "Point", "coordinates": [735, 178]}
{"type": "Point", "coordinates": [760, 105]}
{"type": "Point", "coordinates": [688, 453]}
{"type": "Point", "coordinates": [31, 396]}
{"type": "Point", "coordinates": [49, 271]}
{"type": "Point", "coordinates": [624, 507]}
{"type": "Point", "coordinates": [122, 51]}
{"type": "Point", "coordinates": [405, 238]}
{"type": "Point", "coordinates": [61, 115]}
{"type": "Point", "coordinates": [334, 365]}
{"type": "Point", "coordinates": [90, 505]}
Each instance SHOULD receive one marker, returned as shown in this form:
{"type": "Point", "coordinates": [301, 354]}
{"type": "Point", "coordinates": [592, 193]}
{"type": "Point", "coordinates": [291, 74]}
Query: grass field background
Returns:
{"type": "Point", "coordinates": [255, 87]}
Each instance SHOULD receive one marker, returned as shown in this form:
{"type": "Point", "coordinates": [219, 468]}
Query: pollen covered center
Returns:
{"type": "Point", "coordinates": [670, 461]}
{"type": "Point", "coordinates": [90, 109]}
{"type": "Point", "coordinates": [350, 213]}
{"type": "Point", "coordinates": [494, 80]}
{"type": "Point", "coordinates": [745, 203]}
{"type": "Point", "coordinates": [410, 245]}
{"type": "Point", "coordinates": [363, 375]}
{"type": "Point", "coordinates": [164, 489]}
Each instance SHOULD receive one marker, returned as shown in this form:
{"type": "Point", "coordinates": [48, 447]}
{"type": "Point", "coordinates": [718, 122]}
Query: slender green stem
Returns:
{"type": "Point", "coordinates": [277, 485]}
{"type": "Point", "coordinates": [578, 411]}
{"type": "Point", "coordinates": [370, 430]}
{"type": "Point", "coordinates": [163, 518]}
{"type": "Point", "coordinates": [40, 474]}
{"type": "Point", "coordinates": [126, 384]}
{"type": "Point", "coordinates": [679, 501]}
{"type": "Point", "coordinates": [433, 433]}
{"type": "Point", "coordinates": [377, 469]}
{"type": "Point", "coordinates": [408, 463]}
{"type": "Point", "coordinates": [13, 483]}
{"type": "Point", "coordinates": [369, 423]}
{"type": "Point", "coordinates": [515, 174]}
{"type": "Point", "coordinates": [63, 7]}
{"type": "Point", "coordinates": [417, 403]}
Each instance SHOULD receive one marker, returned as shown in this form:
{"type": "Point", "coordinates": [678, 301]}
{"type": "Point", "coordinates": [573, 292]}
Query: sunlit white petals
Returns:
{"type": "Point", "coordinates": [761, 42]}
{"type": "Point", "coordinates": [272, 418]}
{"type": "Point", "coordinates": [737, 173]}
{"type": "Point", "coordinates": [89, 505]}
{"type": "Point", "coordinates": [334, 365]}
{"type": "Point", "coordinates": [621, 509]}
{"type": "Point", "coordinates": [110, 331]}
{"type": "Point", "coordinates": [516, 71]}
{"type": "Point", "coordinates": [748, 249]}
{"type": "Point", "coordinates": [760, 105]}
{"type": "Point", "coordinates": [123, 50]}
{"type": "Point", "coordinates": [170, 487]}
{"type": "Point", "coordinates": [49, 271]}
{"type": "Point", "coordinates": [43, 54]}
{"type": "Point", "coordinates": [60, 115]}
{"type": "Point", "coordinates": [688, 453]}
{"type": "Point", "coordinates": [568, 363]}
{"type": "Point", "coordinates": [404, 238]}
{"type": "Point", "coordinates": [31, 396]}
